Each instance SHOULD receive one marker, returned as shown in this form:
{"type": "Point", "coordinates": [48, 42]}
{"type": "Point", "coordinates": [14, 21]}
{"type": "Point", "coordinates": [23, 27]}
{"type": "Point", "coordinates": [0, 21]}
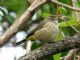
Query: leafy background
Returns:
{"type": "Point", "coordinates": [10, 10]}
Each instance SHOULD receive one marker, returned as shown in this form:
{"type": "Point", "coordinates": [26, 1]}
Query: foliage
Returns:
{"type": "Point", "coordinates": [19, 6]}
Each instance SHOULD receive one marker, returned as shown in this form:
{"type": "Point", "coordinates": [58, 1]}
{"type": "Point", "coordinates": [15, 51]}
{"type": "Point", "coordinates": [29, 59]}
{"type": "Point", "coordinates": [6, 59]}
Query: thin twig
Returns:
{"type": "Point", "coordinates": [73, 27]}
{"type": "Point", "coordinates": [67, 6]}
{"type": "Point", "coordinates": [57, 13]}
{"type": "Point", "coordinates": [72, 4]}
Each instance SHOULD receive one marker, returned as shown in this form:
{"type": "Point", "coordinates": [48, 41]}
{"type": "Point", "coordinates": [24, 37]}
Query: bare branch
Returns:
{"type": "Point", "coordinates": [67, 6]}
{"type": "Point", "coordinates": [71, 54]}
{"type": "Point", "coordinates": [53, 48]}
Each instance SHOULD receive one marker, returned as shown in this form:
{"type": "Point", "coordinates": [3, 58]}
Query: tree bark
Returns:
{"type": "Point", "coordinates": [53, 48]}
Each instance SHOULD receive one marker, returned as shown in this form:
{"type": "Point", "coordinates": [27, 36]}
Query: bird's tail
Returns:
{"type": "Point", "coordinates": [32, 38]}
{"type": "Point", "coordinates": [20, 42]}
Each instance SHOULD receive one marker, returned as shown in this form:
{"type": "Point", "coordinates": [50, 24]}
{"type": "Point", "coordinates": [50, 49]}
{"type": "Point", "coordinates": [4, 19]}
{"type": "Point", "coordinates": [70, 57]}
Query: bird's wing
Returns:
{"type": "Point", "coordinates": [40, 25]}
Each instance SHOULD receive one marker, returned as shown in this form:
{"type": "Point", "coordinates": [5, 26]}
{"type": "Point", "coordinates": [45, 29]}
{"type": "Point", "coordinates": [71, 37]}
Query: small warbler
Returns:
{"type": "Point", "coordinates": [46, 31]}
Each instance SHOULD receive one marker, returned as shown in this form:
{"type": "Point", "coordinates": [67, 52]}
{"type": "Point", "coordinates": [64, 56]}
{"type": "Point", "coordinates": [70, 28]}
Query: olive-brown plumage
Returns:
{"type": "Point", "coordinates": [46, 31]}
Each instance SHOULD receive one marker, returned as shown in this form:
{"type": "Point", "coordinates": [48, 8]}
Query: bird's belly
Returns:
{"type": "Point", "coordinates": [46, 34]}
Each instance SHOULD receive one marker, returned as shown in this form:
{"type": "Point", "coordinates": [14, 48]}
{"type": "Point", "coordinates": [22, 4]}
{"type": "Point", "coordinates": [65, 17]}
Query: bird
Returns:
{"type": "Point", "coordinates": [46, 31]}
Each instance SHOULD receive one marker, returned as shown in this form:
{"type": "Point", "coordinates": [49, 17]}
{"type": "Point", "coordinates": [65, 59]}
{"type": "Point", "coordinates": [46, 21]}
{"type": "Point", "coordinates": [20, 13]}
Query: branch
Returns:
{"type": "Point", "coordinates": [53, 48]}
{"type": "Point", "coordinates": [67, 6]}
{"type": "Point", "coordinates": [25, 17]}
{"type": "Point", "coordinates": [71, 54]}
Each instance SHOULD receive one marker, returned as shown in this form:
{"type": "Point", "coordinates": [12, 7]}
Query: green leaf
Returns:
{"type": "Point", "coordinates": [36, 45]}
{"type": "Point", "coordinates": [72, 22]}
{"type": "Point", "coordinates": [68, 31]}
{"type": "Point", "coordinates": [46, 15]}
{"type": "Point", "coordinates": [60, 36]}
{"type": "Point", "coordinates": [57, 56]}
{"type": "Point", "coordinates": [62, 10]}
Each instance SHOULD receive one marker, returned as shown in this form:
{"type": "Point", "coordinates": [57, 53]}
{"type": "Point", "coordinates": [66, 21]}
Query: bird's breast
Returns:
{"type": "Point", "coordinates": [48, 33]}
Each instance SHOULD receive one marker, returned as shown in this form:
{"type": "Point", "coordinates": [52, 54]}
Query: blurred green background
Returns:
{"type": "Point", "coordinates": [10, 10]}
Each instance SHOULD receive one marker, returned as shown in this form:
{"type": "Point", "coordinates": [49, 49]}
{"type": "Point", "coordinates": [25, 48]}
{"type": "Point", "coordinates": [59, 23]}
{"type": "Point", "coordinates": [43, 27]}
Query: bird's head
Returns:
{"type": "Point", "coordinates": [54, 18]}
